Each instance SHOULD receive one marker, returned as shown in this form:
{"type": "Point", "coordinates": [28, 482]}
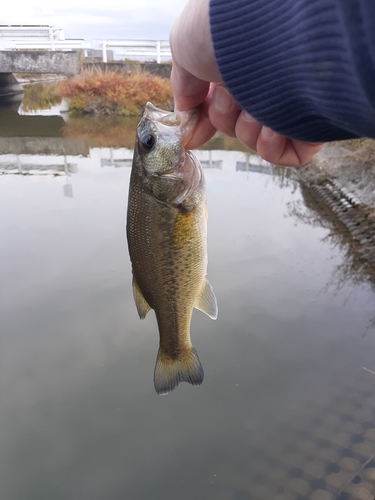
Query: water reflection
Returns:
{"type": "Point", "coordinates": [286, 410]}
{"type": "Point", "coordinates": [353, 269]}
{"type": "Point", "coordinates": [40, 98]}
{"type": "Point", "coordinates": [34, 145]}
{"type": "Point", "coordinates": [24, 165]}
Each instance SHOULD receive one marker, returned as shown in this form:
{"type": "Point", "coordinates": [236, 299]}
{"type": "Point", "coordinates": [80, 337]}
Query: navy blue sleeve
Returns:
{"type": "Point", "coordinates": [305, 68]}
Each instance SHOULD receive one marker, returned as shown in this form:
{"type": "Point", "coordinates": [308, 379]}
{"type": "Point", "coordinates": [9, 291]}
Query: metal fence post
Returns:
{"type": "Point", "coordinates": [51, 37]}
{"type": "Point", "coordinates": [104, 51]}
{"type": "Point", "coordinates": [158, 55]}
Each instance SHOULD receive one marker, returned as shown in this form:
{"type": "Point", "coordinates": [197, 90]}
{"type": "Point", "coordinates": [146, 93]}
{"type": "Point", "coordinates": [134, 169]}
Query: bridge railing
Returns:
{"type": "Point", "coordinates": [47, 45]}
{"type": "Point", "coordinates": [40, 31]}
{"type": "Point", "coordinates": [42, 37]}
{"type": "Point", "coordinates": [136, 49]}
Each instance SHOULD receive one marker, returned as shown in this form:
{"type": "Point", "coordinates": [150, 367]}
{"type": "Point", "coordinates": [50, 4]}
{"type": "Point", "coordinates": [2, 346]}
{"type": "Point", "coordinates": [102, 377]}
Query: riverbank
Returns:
{"type": "Point", "coordinates": [350, 164]}
{"type": "Point", "coordinates": [342, 176]}
{"type": "Point", "coordinates": [100, 92]}
{"type": "Point", "coordinates": [110, 93]}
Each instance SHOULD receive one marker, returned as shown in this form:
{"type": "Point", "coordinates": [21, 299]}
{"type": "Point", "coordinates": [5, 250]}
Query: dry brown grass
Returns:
{"type": "Point", "coordinates": [107, 93]}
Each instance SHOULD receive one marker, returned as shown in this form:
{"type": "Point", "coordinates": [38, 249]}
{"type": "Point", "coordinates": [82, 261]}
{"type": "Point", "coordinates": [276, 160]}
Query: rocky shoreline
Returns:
{"type": "Point", "coordinates": [350, 164]}
{"type": "Point", "coordinates": [342, 175]}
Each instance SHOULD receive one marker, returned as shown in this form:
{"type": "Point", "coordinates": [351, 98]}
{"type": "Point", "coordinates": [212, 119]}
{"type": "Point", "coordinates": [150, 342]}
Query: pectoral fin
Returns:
{"type": "Point", "coordinates": [140, 301]}
{"type": "Point", "coordinates": [207, 301]}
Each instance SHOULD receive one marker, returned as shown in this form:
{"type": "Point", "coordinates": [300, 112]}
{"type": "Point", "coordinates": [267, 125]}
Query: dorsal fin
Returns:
{"type": "Point", "coordinates": [207, 301]}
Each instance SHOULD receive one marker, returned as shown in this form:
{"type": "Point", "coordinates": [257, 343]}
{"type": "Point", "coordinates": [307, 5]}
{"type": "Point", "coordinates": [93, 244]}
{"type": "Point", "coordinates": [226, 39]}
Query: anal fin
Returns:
{"type": "Point", "coordinates": [207, 302]}
{"type": "Point", "coordinates": [140, 301]}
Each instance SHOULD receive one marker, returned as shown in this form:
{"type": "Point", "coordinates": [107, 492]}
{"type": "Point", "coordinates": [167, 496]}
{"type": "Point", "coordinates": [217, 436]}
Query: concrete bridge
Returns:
{"type": "Point", "coordinates": [44, 49]}
{"type": "Point", "coordinates": [34, 61]}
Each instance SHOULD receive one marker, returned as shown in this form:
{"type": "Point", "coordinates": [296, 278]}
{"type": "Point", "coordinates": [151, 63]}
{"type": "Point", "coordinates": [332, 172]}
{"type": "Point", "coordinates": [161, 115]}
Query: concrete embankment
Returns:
{"type": "Point", "coordinates": [9, 87]}
{"type": "Point", "coordinates": [33, 61]}
{"type": "Point", "coordinates": [342, 175]}
{"type": "Point", "coordinates": [40, 61]}
{"type": "Point", "coordinates": [162, 69]}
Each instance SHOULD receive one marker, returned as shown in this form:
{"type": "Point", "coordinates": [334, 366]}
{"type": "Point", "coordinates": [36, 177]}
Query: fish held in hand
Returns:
{"type": "Point", "coordinates": [167, 239]}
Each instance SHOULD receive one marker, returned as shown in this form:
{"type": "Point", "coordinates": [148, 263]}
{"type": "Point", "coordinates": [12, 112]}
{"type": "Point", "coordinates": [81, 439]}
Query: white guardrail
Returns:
{"type": "Point", "coordinates": [42, 37]}
{"type": "Point", "coordinates": [45, 37]}
{"type": "Point", "coordinates": [135, 49]}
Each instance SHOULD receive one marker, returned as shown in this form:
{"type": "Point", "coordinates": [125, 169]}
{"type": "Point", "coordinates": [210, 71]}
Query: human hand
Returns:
{"type": "Point", "coordinates": [196, 81]}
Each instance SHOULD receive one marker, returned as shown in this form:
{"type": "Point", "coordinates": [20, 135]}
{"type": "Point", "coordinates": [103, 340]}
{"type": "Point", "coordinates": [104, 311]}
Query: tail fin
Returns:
{"type": "Point", "coordinates": [170, 372]}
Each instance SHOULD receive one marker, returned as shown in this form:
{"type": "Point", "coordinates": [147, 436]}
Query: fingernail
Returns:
{"type": "Point", "coordinates": [267, 133]}
{"type": "Point", "coordinates": [221, 100]}
{"type": "Point", "coordinates": [248, 117]}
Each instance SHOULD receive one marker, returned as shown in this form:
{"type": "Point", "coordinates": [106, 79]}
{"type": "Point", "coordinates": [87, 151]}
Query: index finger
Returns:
{"type": "Point", "coordinates": [204, 129]}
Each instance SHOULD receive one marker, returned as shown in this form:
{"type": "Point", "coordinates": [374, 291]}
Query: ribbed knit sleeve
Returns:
{"type": "Point", "coordinates": [305, 68]}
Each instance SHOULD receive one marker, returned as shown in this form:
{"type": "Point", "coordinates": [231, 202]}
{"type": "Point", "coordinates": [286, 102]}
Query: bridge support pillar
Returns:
{"type": "Point", "coordinates": [9, 87]}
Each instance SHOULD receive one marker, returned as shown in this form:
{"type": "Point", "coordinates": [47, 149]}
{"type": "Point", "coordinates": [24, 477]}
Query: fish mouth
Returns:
{"type": "Point", "coordinates": [185, 121]}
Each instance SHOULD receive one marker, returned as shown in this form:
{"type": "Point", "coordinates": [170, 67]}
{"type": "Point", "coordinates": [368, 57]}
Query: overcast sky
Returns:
{"type": "Point", "coordinates": [97, 19]}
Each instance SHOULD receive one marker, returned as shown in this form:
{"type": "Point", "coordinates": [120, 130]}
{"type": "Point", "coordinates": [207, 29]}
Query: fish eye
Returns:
{"type": "Point", "coordinates": [148, 142]}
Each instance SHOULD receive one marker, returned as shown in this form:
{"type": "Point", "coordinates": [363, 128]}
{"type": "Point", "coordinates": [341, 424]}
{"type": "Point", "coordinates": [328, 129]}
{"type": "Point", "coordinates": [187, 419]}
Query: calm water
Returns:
{"type": "Point", "coordinates": [286, 410]}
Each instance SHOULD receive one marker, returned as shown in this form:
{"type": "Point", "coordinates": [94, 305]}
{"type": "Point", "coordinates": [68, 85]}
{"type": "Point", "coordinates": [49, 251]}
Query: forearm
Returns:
{"type": "Point", "coordinates": [305, 69]}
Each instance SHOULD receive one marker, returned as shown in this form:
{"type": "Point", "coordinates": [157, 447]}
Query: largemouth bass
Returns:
{"type": "Point", "coordinates": [166, 231]}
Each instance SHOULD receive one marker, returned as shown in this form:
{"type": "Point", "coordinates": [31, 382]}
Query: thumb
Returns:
{"type": "Point", "coordinates": [188, 90]}
{"type": "Point", "coordinates": [193, 60]}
